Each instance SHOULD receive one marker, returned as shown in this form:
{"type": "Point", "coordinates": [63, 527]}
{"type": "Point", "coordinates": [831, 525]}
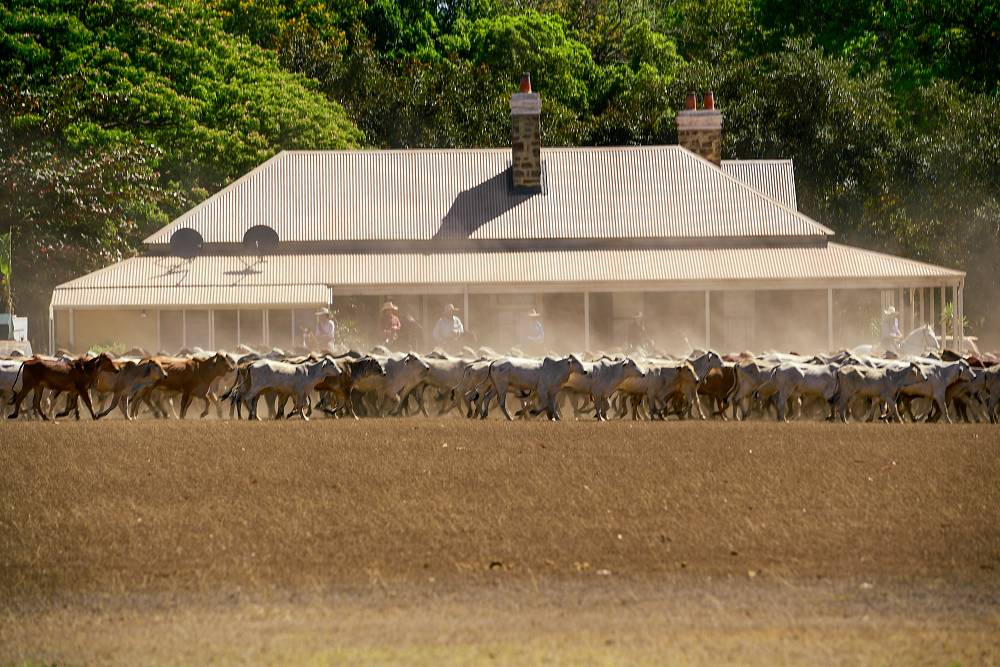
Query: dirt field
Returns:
{"type": "Point", "coordinates": [450, 542]}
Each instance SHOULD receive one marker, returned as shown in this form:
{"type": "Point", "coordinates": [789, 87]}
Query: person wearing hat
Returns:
{"type": "Point", "coordinates": [325, 328]}
{"type": "Point", "coordinates": [389, 324]}
{"type": "Point", "coordinates": [532, 331]}
{"type": "Point", "coordinates": [449, 327]}
{"type": "Point", "coordinates": [890, 330]}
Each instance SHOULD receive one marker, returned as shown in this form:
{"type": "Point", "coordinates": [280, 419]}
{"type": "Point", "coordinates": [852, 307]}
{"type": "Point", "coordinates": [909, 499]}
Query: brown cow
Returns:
{"type": "Point", "coordinates": [132, 377]}
{"type": "Point", "coordinates": [718, 385]}
{"type": "Point", "coordinates": [191, 378]}
{"type": "Point", "coordinates": [75, 376]}
{"type": "Point", "coordinates": [341, 386]}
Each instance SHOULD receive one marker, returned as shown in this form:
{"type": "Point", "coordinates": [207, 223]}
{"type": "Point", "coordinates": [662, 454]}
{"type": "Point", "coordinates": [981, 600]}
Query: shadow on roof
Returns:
{"type": "Point", "coordinates": [476, 206]}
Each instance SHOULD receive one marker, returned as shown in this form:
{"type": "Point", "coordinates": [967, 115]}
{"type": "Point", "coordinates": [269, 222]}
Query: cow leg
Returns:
{"type": "Point", "coordinates": [942, 405]}
{"type": "Point", "coordinates": [37, 404]}
{"type": "Point", "coordinates": [501, 390]}
{"type": "Point", "coordinates": [115, 400]}
{"type": "Point", "coordinates": [16, 402]}
{"type": "Point", "coordinates": [84, 393]}
{"type": "Point", "coordinates": [893, 409]}
{"type": "Point", "coordinates": [300, 405]}
{"type": "Point", "coordinates": [185, 403]}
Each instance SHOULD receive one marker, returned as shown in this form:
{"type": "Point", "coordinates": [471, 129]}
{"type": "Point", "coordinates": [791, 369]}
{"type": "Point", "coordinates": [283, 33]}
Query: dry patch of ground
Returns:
{"type": "Point", "coordinates": [428, 542]}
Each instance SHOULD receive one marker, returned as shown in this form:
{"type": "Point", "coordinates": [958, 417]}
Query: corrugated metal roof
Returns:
{"type": "Point", "coordinates": [218, 280]}
{"type": "Point", "coordinates": [187, 296]}
{"type": "Point", "coordinates": [591, 193]}
{"type": "Point", "coordinates": [775, 178]}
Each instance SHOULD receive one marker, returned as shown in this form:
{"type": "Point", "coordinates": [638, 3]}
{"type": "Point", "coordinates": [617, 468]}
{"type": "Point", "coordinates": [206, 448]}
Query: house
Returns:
{"type": "Point", "coordinates": [712, 252]}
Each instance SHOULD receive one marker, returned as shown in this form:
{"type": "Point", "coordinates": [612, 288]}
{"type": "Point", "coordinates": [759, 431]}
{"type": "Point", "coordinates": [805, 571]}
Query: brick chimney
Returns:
{"type": "Point", "coordinates": [526, 137]}
{"type": "Point", "coordinates": [700, 130]}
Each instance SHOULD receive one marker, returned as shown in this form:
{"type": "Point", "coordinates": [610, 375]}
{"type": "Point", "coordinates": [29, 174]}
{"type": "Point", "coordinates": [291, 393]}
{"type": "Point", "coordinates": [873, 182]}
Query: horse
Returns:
{"type": "Point", "coordinates": [917, 343]}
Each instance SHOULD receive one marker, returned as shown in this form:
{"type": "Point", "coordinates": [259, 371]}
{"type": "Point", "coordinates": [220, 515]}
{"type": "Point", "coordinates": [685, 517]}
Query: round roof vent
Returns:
{"type": "Point", "coordinates": [186, 243]}
{"type": "Point", "coordinates": [260, 240]}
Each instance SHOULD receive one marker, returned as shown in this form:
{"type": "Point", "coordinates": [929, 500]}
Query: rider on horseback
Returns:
{"type": "Point", "coordinates": [890, 330]}
{"type": "Point", "coordinates": [449, 329]}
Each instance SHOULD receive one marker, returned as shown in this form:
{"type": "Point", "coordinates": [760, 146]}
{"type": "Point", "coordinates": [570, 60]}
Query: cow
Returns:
{"type": "Point", "coordinates": [339, 387]}
{"type": "Point", "coordinates": [74, 376]}
{"type": "Point", "coordinates": [718, 385]}
{"type": "Point", "coordinates": [191, 378]}
{"type": "Point", "coordinates": [993, 390]}
{"type": "Point", "coordinates": [131, 377]}
{"type": "Point", "coordinates": [544, 377]}
{"type": "Point", "coordinates": [795, 380]}
{"type": "Point", "coordinates": [285, 380]}
{"type": "Point", "coordinates": [662, 380]}
{"type": "Point", "coordinates": [444, 373]}
{"type": "Point", "coordinates": [605, 377]}
{"type": "Point", "coordinates": [883, 384]}
{"type": "Point", "coordinates": [402, 374]}
{"type": "Point", "coordinates": [753, 378]}
{"type": "Point", "coordinates": [939, 376]}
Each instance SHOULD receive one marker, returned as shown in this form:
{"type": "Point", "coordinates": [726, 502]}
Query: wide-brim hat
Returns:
{"type": "Point", "coordinates": [322, 311]}
{"type": "Point", "coordinates": [450, 308]}
{"type": "Point", "coordinates": [637, 316]}
{"type": "Point", "coordinates": [389, 305]}
{"type": "Point", "coordinates": [534, 313]}
{"type": "Point", "coordinates": [891, 310]}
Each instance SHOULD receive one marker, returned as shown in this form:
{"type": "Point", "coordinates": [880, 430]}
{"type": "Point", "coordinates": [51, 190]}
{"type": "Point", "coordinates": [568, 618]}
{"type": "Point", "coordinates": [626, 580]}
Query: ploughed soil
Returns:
{"type": "Point", "coordinates": [452, 542]}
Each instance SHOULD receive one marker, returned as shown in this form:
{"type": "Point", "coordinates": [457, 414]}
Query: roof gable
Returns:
{"type": "Point", "coordinates": [659, 192]}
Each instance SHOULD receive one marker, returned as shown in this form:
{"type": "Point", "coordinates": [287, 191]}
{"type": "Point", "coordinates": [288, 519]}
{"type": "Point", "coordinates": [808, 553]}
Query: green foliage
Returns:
{"type": "Point", "coordinates": [116, 115]}
{"type": "Point", "coordinates": [122, 113]}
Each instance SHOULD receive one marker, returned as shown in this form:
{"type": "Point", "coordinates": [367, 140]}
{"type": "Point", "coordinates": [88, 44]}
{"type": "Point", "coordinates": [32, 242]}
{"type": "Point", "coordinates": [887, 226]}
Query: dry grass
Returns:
{"type": "Point", "coordinates": [187, 525]}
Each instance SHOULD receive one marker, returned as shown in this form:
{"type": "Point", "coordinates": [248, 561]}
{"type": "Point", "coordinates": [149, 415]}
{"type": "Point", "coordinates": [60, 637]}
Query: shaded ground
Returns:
{"type": "Point", "coordinates": [449, 541]}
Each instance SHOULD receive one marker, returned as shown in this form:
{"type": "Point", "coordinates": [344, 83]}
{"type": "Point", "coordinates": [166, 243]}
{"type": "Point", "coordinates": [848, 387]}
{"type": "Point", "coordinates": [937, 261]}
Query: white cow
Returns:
{"type": "Point", "coordinates": [606, 376]}
{"type": "Point", "coordinates": [940, 375]}
{"type": "Point", "coordinates": [796, 380]}
{"type": "Point", "coordinates": [883, 384]}
{"type": "Point", "coordinates": [285, 380]}
{"type": "Point", "coordinates": [402, 373]}
{"type": "Point", "coordinates": [545, 377]}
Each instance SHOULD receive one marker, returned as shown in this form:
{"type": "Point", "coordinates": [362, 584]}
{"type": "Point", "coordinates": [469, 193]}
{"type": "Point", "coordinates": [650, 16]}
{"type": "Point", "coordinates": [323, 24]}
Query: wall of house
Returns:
{"type": "Point", "coordinates": [120, 328]}
{"type": "Point", "coordinates": [61, 330]}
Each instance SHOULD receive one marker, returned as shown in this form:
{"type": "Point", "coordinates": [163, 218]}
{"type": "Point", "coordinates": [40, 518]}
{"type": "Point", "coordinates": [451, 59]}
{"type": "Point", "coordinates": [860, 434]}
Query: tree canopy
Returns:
{"type": "Point", "coordinates": [117, 114]}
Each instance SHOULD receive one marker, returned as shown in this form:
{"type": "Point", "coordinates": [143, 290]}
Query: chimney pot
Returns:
{"type": "Point", "coordinates": [709, 100]}
{"type": "Point", "coordinates": [525, 85]}
{"type": "Point", "coordinates": [692, 101]}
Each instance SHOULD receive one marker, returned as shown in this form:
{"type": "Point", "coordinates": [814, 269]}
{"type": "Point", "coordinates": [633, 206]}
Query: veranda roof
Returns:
{"type": "Point", "coordinates": [277, 280]}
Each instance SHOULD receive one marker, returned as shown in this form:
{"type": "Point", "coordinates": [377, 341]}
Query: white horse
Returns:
{"type": "Point", "coordinates": [919, 342]}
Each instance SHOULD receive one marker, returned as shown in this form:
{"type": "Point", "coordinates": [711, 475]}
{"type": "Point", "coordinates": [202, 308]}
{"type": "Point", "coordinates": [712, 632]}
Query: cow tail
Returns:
{"type": "Point", "coordinates": [234, 392]}
{"type": "Point", "coordinates": [13, 384]}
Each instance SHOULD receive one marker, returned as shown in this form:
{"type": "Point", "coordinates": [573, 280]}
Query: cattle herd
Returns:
{"type": "Point", "coordinates": [702, 384]}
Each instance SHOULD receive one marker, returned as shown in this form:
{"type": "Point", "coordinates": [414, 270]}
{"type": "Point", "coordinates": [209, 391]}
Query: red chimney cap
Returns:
{"type": "Point", "coordinates": [709, 100]}
{"type": "Point", "coordinates": [691, 102]}
{"type": "Point", "coordinates": [525, 86]}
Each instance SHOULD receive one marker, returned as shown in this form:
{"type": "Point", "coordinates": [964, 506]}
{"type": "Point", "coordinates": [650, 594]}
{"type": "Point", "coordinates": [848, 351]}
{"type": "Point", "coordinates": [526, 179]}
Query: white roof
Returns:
{"type": "Point", "coordinates": [598, 193]}
{"type": "Point", "coordinates": [304, 279]}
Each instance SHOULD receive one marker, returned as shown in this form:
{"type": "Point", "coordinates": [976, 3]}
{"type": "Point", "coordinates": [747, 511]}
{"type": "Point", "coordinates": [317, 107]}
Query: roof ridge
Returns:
{"type": "Point", "coordinates": [826, 230]}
